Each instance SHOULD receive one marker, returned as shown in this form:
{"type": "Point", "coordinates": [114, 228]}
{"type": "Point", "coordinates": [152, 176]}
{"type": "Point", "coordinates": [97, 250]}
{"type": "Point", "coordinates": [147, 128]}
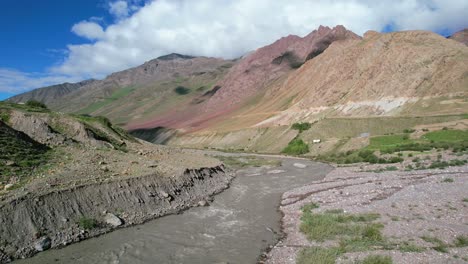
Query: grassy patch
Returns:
{"type": "Point", "coordinates": [447, 136]}
{"type": "Point", "coordinates": [331, 224]}
{"type": "Point", "coordinates": [409, 247]}
{"type": "Point", "coordinates": [376, 259]}
{"type": "Point", "coordinates": [20, 155]}
{"type": "Point", "coordinates": [317, 255]}
{"type": "Point", "coordinates": [461, 241]}
{"type": "Point", "coordinates": [87, 223]}
{"type": "Point", "coordinates": [296, 147]}
{"type": "Point", "coordinates": [439, 245]}
{"type": "Point", "coordinates": [114, 97]}
{"type": "Point", "coordinates": [448, 180]}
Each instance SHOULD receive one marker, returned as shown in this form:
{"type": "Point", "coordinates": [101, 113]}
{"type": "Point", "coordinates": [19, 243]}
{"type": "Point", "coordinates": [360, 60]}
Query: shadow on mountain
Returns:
{"type": "Point", "coordinates": [157, 135]}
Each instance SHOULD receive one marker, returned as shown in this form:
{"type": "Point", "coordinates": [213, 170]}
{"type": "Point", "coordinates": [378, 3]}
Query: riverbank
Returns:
{"type": "Point", "coordinates": [32, 222]}
{"type": "Point", "coordinates": [423, 213]}
{"type": "Point", "coordinates": [236, 227]}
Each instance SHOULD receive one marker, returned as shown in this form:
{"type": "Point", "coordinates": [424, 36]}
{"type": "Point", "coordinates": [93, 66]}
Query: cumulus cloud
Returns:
{"type": "Point", "coordinates": [89, 30]}
{"type": "Point", "coordinates": [229, 29]}
{"type": "Point", "coordinates": [13, 81]}
{"type": "Point", "coordinates": [119, 9]}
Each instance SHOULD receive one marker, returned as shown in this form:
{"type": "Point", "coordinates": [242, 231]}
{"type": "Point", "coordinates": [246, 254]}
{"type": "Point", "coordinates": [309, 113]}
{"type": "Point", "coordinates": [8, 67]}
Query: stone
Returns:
{"type": "Point", "coordinates": [203, 203]}
{"type": "Point", "coordinates": [113, 220]}
{"type": "Point", "coordinates": [164, 194]}
{"type": "Point", "coordinates": [10, 163]}
{"type": "Point", "coordinates": [43, 243]}
{"type": "Point", "coordinates": [8, 187]}
{"type": "Point", "coordinates": [299, 165]}
{"type": "Point", "coordinates": [105, 168]}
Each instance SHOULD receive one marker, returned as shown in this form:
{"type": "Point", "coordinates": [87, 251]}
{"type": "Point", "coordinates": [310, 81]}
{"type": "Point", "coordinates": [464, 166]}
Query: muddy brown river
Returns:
{"type": "Point", "coordinates": [237, 227]}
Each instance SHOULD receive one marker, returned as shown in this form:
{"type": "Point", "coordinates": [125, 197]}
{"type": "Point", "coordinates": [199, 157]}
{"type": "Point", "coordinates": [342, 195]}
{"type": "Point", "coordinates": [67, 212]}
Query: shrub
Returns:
{"type": "Point", "coordinates": [296, 147]}
{"type": "Point", "coordinates": [377, 259]}
{"type": "Point", "coordinates": [408, 130]}
{"type": "Point", "coordinates": [36, 104]}
{"type": "Point", "coordinates": [182, 90]}
{"type": "Point", "coordinates": [87, 223]}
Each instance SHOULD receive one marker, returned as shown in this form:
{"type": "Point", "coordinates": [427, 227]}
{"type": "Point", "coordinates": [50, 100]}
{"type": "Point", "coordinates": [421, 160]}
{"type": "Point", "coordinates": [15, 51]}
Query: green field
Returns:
{"type": "Point", "coordinates": [114, 97]}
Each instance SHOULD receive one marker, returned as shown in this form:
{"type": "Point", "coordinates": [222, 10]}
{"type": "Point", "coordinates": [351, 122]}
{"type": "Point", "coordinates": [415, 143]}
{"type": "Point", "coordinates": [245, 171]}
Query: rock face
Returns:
{"type": "Point", "coordinates": [461, 36]}
{"type": "Point", "coordinates": [268, 63]}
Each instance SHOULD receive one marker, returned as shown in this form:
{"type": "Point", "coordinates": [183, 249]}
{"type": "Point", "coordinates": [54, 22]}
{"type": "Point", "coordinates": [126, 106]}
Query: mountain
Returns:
{"type": "Point", "coordinates": [148, 90]}
{"type": "Point", "coordinates": [250, 77]}
{"type": "Point", "coordinates": [331, 76]}
{"type": "Point", "coordinates": [461, 36]}
{"type": "Point", "coordinates": [50, 94]}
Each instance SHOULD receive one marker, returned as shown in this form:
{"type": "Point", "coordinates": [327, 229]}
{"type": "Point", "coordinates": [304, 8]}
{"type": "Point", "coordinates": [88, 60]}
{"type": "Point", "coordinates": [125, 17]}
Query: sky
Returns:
{"type": "Point", "coordinates": [54, 41]}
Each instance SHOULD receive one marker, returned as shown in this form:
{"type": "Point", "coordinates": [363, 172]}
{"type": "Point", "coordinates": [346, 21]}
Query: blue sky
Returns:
{"type": "Point", "coordinates": [53, 41]}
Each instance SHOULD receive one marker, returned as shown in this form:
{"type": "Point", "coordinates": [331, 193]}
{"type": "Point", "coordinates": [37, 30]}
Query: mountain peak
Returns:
{"type": "Point", "coordinates": [175, 56]}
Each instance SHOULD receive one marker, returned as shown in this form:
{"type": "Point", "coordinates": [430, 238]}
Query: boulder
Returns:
{"type": "Point", "coordinates": [43, 243]}
{"type": "Point", "coordinates": [300, 165]}
{"type": "Point", "coordinates": [112, 220]}
{"type": "Point", "coordinates": [8, 187]}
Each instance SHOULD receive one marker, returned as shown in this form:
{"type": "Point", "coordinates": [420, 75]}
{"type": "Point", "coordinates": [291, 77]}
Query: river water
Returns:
{"type": "Point", "coordinates": [237, 227]}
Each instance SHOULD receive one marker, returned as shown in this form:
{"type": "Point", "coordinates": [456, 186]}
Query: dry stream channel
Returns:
{"type": "Point", "coordinates": [237, 227]}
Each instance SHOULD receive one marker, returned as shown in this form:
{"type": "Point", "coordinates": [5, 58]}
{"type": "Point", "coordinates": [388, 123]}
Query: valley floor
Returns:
{"type": "Point", "coordinates": [424, 214]}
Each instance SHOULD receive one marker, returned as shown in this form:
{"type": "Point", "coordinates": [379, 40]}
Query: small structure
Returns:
{"type": "Point", "coordinates": [316, 141]}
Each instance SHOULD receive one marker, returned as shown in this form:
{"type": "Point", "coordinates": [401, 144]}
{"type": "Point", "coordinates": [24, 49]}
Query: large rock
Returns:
{"type": "Point", "coordinates": [113, 220]}
{"type": "Point", "coordinates": [43, 243]}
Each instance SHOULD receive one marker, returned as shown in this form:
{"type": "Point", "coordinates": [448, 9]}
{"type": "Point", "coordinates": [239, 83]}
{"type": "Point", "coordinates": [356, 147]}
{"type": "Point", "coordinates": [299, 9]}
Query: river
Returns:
{"type": "Point", "coordinates": [237, 227]}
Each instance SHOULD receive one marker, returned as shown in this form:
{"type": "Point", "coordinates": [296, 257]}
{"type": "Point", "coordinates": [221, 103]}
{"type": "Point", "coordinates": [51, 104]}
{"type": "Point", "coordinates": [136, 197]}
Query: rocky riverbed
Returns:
{"type": "Point", "coordinates": [427, 209]}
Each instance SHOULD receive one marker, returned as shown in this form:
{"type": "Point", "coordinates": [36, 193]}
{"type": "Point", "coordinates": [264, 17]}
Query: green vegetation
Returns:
{"type": "Point", "coordinates": [377, 259]}
{"type": "Point", "coordinates": [365, 155]}
{"type": "Point", "coordinates": [356, 232]}
{"type": "Point", "coordinates": [447, 136]}
{"type": "Point", "coordinates": [20, 156]}
{"type": "Point", "coordinates": [301, 126]}
{"type": "Point", "coordinates": [87, 223]}
{"type": "Point", "coordinates": [409, 247]}
{"type": "Point", "coordinates": [296, 147]}
{"type": "Point", "coordinates": [317, 255]}
{"type": "Point", "coordinates": [440, 245]}
{"type": "Point", "coordinates": [114, 97]}
{"type": "Point", "coordinates": [36, 104]}
{"type": "Point", "coordinates": [4, 116]}
{"type": "Point", "coordinates": [181, 90]}
{"type": "Point", "coordinates": [448, 180]}
{"type": "Point", "coordinates": [331, 224]}
{"type": "Point", "coordinates": [248, 161]}
{"type": "Point", "coordinates": [461, 241]}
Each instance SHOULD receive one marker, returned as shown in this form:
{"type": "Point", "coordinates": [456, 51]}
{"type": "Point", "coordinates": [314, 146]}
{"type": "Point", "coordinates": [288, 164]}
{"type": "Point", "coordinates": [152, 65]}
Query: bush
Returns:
{"type": "Point", "coordinates": [301, 126]}
{"type": "Point", "coordinates": [296, 147]}
{"type": "Point", "coordinates": [408, 131]}
{"type": "Point", "coordinates": [36, 104]}
{"type": "Point", "coordinates": [182, 90]}
{"type": "Point", "coordinates": [87, 223]}
{"type": "Point", "coordinates": [377, 259]}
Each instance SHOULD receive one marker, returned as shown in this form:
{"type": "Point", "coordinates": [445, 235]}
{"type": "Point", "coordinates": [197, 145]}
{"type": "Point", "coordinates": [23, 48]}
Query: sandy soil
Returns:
{"type": "Point", "coordinates": [411, 204]}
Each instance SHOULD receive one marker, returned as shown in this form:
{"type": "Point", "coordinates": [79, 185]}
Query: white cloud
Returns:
{"type": "Point", "coordinates": [13, 81]}
{"type": "Point", "coordinates": [225, 28]}
{"type": "Point", "coordinates": [119, 9]}
{"type": "Point", "coordinates": [89, 30]}
{"type": "Point", "coordinates": [231, 28]}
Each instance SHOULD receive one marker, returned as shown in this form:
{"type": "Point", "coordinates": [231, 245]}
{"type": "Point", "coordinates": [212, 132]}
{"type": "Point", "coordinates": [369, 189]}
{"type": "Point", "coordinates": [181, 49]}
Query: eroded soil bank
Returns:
{"type": "Point", "coordinates": [61, 217]}
{"type": "Point", "coordinates": [236, 227]}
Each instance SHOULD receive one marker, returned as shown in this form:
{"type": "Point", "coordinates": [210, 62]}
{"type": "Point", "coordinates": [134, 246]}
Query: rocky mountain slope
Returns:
{"type": "Point", "coordinates": [48, 95]}
{"type": "Point", "coordinates": [461, 36]}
